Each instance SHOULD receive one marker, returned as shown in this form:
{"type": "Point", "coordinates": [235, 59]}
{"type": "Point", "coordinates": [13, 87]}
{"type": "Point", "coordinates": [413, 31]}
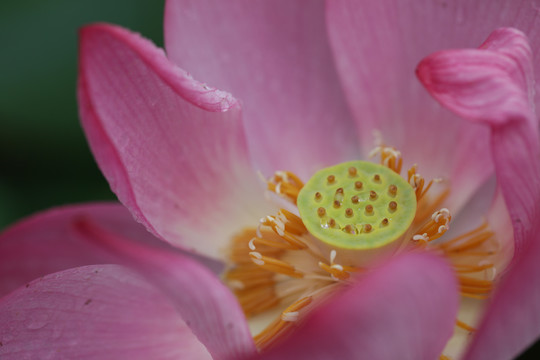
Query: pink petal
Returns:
{"type": "Point", "coordinates": [172, 149]}
{"type": "Point", "coordinates": [493, 85]}
{"type": "Point", "coordinates": [512, 321]}
{"type": "Point", "coordinates": [48, 242]}
{"type": "Point", "coordinates": [404, 310]}
{"type": "Point", "coordinates": [501, 224]}
{"type": "Point", "coordinates": [93, 312]}
{"type": "Point", "coordinates": [98, 233]}
{"type": "Point", "coordinates": [377, 45]}
{"type": "Point", "coordinates": [273, 56]}
{"type": "Point", "coordinates": [208, 307]}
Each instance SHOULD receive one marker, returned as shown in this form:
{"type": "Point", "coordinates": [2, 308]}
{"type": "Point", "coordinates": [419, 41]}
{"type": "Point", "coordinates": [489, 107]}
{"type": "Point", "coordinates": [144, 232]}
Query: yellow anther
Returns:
{"type": "Point", "coordinates": [390, 157]}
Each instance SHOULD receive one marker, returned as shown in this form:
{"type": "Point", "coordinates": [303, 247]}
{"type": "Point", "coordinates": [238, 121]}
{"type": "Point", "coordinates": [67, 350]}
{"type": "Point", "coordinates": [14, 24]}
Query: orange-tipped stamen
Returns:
{"type": "Point", "coordinates": [270, 243]}
{"type": "Point", "coordinates": [281, 228]}
{"type": "Point", "coordinates": [483, 227]}
{"type": "Point", "coordinates": [275, 265]}
{"type": "Point", "coordinates": [463, 325]}
{"type": "Point", "coordinates": [472, 268]}
{"type": "Point", "coordinates": [336, 271]}
{"type": "Point", "coordinates": [285, 184]}
{"type": "Point", "coordinates": [417, 182]}
{"type": "Point", "coordinates": [475, 287]}
{"type": "Point", "coordinates": [468, 281]}
{"type": "Point", "coordinates": [471, 243]}
{"type": "Point", "coordinates": [427, 206]}
{"type": "Point", "coordinates": [257, 300]}
{"type": "Point", "coordinates": [472, 296]}
{"type": "Point", "coordinates": [435, 227]}
{"type": "Point", "coordinates": [279, 327]}
{"type": "Point", "coordinates": [390, 157]}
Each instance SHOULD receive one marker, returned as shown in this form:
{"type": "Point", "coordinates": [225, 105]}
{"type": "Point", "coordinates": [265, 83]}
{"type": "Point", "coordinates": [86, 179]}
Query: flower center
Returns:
{"type": "Point", "coordinates": [357, 205]}
{"type": "Point", "coordinates": [337, 226]}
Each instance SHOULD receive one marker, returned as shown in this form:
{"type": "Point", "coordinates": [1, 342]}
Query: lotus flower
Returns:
{"type": "Point", "coordinates": [303, 86]}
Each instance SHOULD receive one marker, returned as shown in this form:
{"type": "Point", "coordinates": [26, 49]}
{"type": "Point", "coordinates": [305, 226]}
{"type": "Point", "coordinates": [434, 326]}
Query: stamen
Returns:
{"type": "Point", "coordinates": [275, 265]}
{"type": "Point", "coordinates": [471, 268]}
{"type": "Point", "coordinates": [293, 223]}
{"type": "Point", "coordinates": [285, 184]}
{"type": "Point", "coordinates": [471, 296]}
{"type": "Point", "coordinates": [467, 246]}
{"type": "Point", "coordinates": [280, 326]}
{"type": "Point", "coordinates": [484, 284]}
{"type": "Point", "coordinates": [290, 316]}
{"type": "Point", "coordinates": [472, 287]}
{"type": "Point", "coordinates": [249, 276]}
{"type": "Point", "coordinates": [417, 182]}
{"type": "Point", "coordinates": [287, 231]}
{"type": "Point", "coordinates": [427, 206]}
{"type": "Point", "coordinates": [337, 272]}
{"type": "Point", "coordinates": [274, 244]}
{"type": "Point", "coordinates": [239, 254]}
{"type": "Point", "coordinates": [471, 234]}
{"type": "Point", "coordinates": [436, 227]}
{"type": "Point", "coordinates": [257, 299]}
{"type": "Point", "coordinates": [463, 325]}
{"type": "Point", "coordinates": [333, 255]}
{"type": "Point", "coordinates": [421, 237]}
{"type": "Point", "coordinates": [471, 243]}
{"type": "Point", "coordinates": [390, 157]}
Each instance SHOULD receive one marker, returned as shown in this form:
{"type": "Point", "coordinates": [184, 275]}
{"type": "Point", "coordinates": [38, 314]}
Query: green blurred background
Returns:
{"type": "Point", "coordinates": [44, 158]}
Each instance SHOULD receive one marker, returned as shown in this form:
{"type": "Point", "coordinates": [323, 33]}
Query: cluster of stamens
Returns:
{"type": "Point", "coordinates": [349, 207]}
{"type": "Point", "coordinates": [285, 184]}
{"type": "Point", "coordinates": [390, 157]}
{"type": "Point", "coordinates": [435, 228]}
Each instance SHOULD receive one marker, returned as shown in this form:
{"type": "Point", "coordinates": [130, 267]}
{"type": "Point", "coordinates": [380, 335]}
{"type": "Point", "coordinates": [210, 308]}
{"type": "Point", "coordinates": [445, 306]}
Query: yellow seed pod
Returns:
{"type": "Point", "coordinates": [339, 211]}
